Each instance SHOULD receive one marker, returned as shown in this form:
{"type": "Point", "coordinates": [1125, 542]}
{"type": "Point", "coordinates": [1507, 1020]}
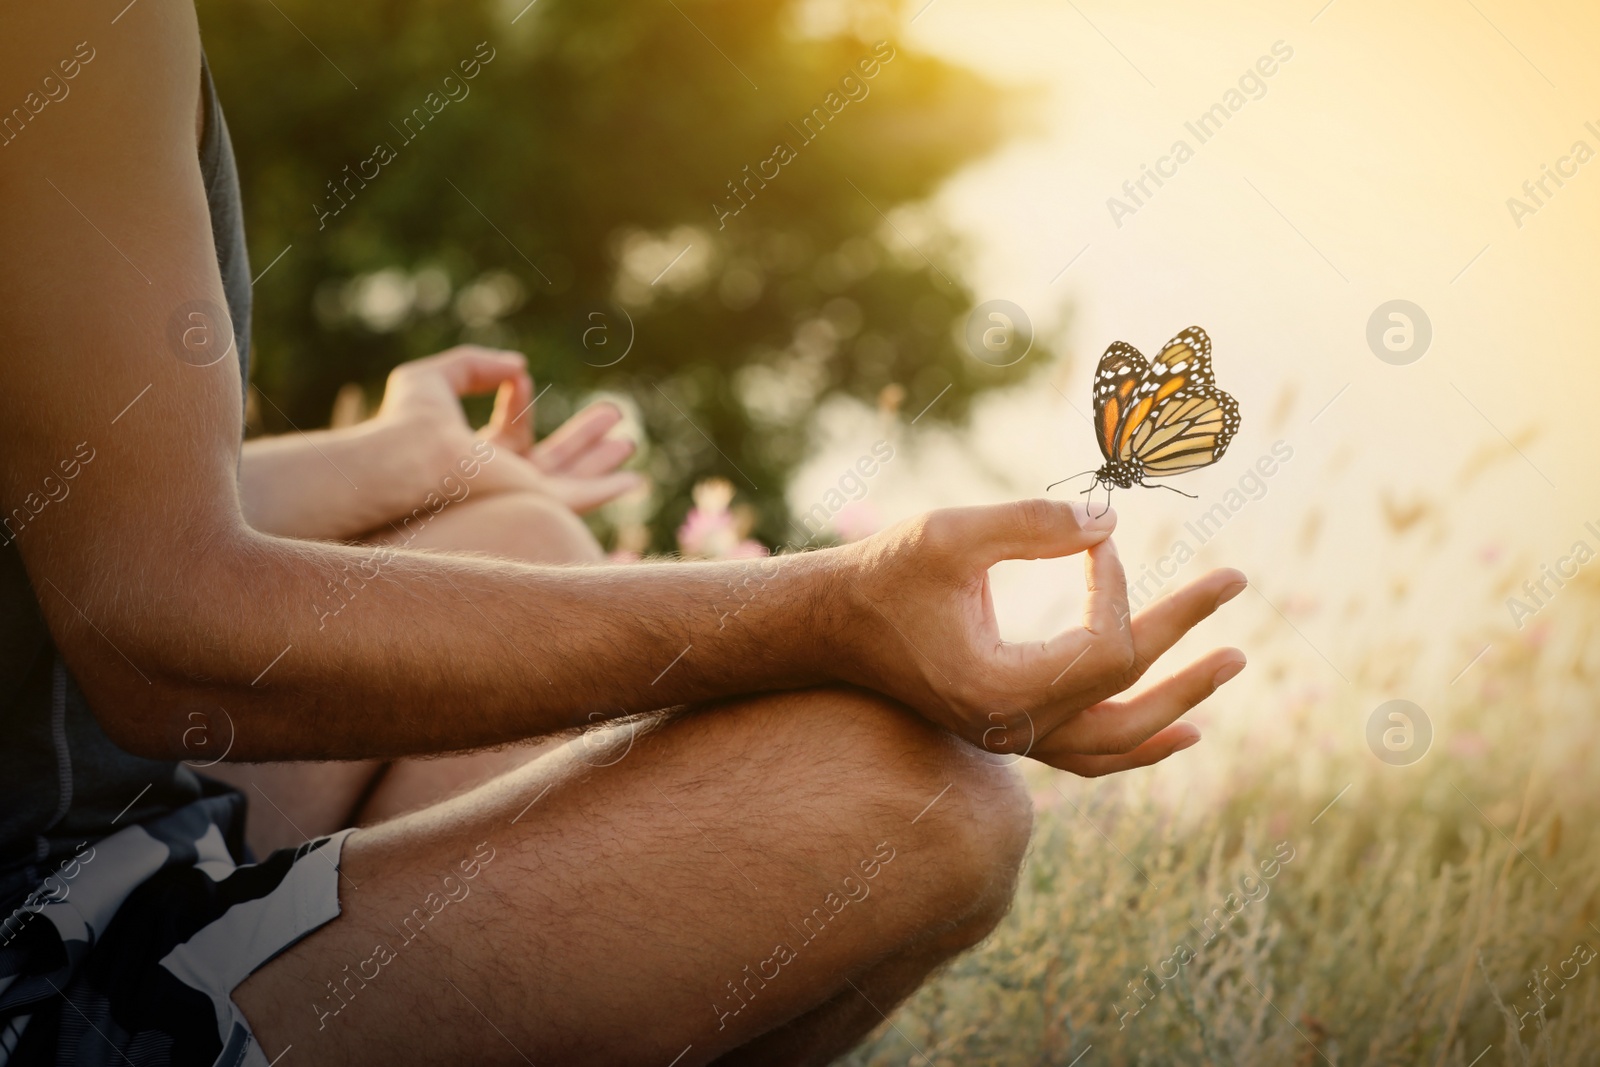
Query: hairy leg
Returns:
{"type": "Point", "coordinates": [291, 802]}
{"type": "Point", "coordinates": [754, 882]}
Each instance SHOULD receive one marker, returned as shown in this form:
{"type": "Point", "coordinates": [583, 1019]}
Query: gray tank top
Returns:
{"type": "Point", "coordinates": [62, 781]}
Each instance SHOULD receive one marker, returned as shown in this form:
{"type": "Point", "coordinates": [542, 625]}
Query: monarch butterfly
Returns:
{"type": "Point", "coordinates": [1155, 420]}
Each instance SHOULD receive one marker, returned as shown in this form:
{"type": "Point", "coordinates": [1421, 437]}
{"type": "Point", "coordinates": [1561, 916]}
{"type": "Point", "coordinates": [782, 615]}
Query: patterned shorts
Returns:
{"type": "Point", "coordinates": [135, 958]}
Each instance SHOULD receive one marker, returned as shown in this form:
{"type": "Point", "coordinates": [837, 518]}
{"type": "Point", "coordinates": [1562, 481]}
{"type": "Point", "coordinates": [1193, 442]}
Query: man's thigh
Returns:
{"type": "Point", "coordinates": [698, 883]}
{"type": "Point", "coordinates": [294, 802]}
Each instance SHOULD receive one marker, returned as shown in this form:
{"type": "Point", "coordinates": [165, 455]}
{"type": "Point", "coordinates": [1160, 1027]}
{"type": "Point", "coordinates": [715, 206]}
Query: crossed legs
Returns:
{"type": "Point", "coordinates": [754, 882]}
{"type": "Point", "coordinates": [757, 881]}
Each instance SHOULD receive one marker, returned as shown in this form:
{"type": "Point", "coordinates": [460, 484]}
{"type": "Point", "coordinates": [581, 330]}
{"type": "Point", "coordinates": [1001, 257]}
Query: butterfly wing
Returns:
{"type": "Point", "coordinates": [1178, 419]}
{"type": "Point", "coordinates": [1121, 371]}
{"type": "Point", "coordinates": [1187, 357]}
{"type": "Point", "coordinates": [1186, 433]}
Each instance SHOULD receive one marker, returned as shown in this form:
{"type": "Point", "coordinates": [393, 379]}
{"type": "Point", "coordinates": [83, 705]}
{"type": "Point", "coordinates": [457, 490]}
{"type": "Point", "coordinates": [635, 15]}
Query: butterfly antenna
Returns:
{"type": "Point", "coordinates": [1069, 478]}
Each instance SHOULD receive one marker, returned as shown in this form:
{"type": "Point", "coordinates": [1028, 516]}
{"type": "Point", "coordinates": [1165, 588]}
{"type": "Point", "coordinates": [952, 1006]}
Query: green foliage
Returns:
{"type": "Point", "coordinates": [598, 138]}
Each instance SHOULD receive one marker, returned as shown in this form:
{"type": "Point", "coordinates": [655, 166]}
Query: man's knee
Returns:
{"type": "Point", "coordinates": [535, 529]}
{"type": "Point", "coordinates": [964, 813]}
{"type": "Point", "coordinates": [981, 839]}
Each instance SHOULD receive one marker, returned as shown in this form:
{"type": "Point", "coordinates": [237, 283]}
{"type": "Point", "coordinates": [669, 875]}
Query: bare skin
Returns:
{"type": "Point", "coordinates": [292, 802]}
{"type": "Point", "coordinates": [526, 514]}
{"type": "Point", "coordinates": [304, 799]}
{"type": "Point", "coordinates": [654, 881]}
{"type": "Point", "coordinates": [855, 687]}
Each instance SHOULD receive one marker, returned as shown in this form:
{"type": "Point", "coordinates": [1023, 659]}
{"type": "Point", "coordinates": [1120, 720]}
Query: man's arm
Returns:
{"type": "Point", "coordinates": [162, 598]}
{"type": "Point", "coordinates": [164, 601]}
{"type": "Point", "coordinates": [334, 484]}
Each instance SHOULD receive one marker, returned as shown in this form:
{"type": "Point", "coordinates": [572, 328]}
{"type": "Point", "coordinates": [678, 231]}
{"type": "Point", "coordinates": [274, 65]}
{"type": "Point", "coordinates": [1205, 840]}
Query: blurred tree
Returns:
{"type": "Point", "coordinates": [564, 200]}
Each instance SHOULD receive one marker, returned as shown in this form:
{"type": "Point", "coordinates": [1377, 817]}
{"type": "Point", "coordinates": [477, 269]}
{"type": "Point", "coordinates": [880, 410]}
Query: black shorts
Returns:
{"type": "Point", "coordinates": [130, 955]}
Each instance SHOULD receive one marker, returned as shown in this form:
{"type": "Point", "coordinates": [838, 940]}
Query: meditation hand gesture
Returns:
{"type": "Point", "coordinates": [575, 466]}
{"type": "Point", "coordinates": [929, 638]}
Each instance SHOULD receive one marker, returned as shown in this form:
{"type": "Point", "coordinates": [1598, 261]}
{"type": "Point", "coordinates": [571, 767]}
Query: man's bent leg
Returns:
{"type": "Point", "coordinates": [756, 880]}
{"type": "Point", "coordinates": [515, 525]}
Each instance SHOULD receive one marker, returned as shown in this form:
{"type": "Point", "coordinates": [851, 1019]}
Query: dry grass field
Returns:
{"type": "Point", "coordinates": [1444, 913]}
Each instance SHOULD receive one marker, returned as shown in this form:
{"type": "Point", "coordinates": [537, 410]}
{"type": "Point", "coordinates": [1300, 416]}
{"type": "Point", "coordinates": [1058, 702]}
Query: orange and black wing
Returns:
{"type": "Point", "coordinates": [1118, 377]}
{"type": "Point", "coordinates": [1179, 420]}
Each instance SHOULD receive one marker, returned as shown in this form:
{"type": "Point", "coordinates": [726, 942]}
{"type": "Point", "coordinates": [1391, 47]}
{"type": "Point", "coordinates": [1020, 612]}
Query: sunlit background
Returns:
{"type": "Point", "coordinates": [1375, 165]}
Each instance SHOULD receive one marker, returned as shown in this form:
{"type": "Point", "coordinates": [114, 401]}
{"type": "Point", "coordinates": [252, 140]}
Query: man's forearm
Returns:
{"type": "Point", "coordinates": [321, 651]}
{"type": "Point", "coordinates": [337, 484]}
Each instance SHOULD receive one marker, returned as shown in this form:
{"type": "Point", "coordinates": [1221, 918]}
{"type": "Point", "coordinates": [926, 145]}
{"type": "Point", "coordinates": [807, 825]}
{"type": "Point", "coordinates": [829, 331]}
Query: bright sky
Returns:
{"type": "Point", "coordinates": [1376, 166]}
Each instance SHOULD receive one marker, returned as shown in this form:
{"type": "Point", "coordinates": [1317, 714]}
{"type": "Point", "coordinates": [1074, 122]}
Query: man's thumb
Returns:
{"type": "Point", "coordinates": [1032, 529]}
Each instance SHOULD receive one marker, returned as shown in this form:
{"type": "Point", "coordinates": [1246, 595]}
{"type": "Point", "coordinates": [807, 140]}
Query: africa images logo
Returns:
{"type": "Point", "coordinates": [1207, 125]}
{"type": "Point", "coordinates": [455, 89]}
{"type": "Point", "coordinates": [852, 88]}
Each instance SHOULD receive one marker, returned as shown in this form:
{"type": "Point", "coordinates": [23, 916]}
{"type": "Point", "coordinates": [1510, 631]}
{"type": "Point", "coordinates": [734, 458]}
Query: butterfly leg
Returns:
{"type": "Point", "coordinates": [1091, 489]}
{"type": "Point", "coordinates": [1170, 489]}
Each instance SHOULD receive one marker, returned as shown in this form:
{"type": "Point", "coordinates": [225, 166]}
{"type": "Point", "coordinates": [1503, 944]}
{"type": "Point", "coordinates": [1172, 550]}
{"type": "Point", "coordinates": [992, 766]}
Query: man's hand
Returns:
{"type": "Point", "coordinates": [930, 639]}
{"type": "Point", "coordinates": [576, 465]}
